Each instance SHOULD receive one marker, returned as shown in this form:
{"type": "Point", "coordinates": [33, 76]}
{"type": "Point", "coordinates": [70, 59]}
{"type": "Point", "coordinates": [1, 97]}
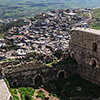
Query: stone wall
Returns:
{"type": "Point", "coordinates": [81, 46]}
{"type": "Point", "coordinates": [26, 74]}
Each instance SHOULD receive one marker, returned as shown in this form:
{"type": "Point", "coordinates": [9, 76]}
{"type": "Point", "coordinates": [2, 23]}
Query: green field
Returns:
{"type": "Point", "coordinates": [95, 24]}
{"type": "Point", "coordinates": [27, 8]}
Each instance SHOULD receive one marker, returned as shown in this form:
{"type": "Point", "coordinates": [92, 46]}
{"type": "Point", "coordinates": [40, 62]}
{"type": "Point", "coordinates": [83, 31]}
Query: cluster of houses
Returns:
{"type": "Point", "coordinates": [50, 32]}
{"type": "Point", "coordinates": [7, 20]}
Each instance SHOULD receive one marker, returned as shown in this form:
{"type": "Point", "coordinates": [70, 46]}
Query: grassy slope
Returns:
{"type": "Point", "coordinates": [96, 14]}
{"type": "Point", "coordinates": [27, 10]}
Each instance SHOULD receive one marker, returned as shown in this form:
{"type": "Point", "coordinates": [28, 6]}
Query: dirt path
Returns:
{"type": "Point", "coordinates": [18, 94]}
{"type": "Point", "coordinates": [46, 95]}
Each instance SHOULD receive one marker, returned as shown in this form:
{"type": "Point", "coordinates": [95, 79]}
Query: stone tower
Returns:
{"type": "Point", "coordinates": [85, 48]}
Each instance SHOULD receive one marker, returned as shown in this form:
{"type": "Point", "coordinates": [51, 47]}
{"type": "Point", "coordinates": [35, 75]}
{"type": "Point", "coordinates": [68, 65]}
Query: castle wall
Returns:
{"type": "Point", "coordinates": [25, 75]}
{"type": "Point", "coordinates": [81, 44]}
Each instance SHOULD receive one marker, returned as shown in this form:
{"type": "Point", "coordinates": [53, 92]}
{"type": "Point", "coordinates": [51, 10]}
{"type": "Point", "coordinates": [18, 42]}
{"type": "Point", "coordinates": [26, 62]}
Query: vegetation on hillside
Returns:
{"type": "Point", "coordinates": [26, 93]}
{"type": "Point", "coordinates": [96, 13]}
{"type": "Point", "coordinates": [14, 93]}
{"type": "Point", "coordinates": [7, 26]}
{"type": "Point", "coordinates": [4, 28]}
{"type": "Point", "coordinates": [95, 22]}
{"type": "Point", "coordinates": [28, 8]}
{"type": "Point", "coordinates": [83, 14]}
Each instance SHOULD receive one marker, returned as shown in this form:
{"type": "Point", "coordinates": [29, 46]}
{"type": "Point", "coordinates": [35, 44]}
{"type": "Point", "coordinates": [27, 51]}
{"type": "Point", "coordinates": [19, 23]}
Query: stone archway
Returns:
{"type": "Point", "coordinates": [38, 80]}
{"type": "Point", "coordinates": [94, 63]}
{"type": "Point", "coordinates": [72, 55]}
{"type": "Point", "coordinates": [15, 83]}
{"type": "Point", "coordinates": [61, 74]}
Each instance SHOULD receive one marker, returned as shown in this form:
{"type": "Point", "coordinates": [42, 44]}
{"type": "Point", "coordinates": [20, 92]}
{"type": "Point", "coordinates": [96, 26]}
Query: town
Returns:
{"type": "Point", "coordinates": [48, 33]}
{"type": "Point", "coordinates": [53, 56]}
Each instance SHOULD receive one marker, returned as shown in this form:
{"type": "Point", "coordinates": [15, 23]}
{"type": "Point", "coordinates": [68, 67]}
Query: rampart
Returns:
{"type": "Point", "coordinates": [34, 73]}
{"type": "Point", "coordinates": [85, 48]}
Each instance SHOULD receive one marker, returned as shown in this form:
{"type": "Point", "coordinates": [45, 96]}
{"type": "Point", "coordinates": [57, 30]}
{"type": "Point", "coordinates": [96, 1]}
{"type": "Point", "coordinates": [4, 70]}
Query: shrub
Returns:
{"type": "Point", "coordinates": [15, 97]}
{"type": "Point", "coordinates": [22, 96]}
{"type": "Point", "coordinates": [9, 70]}
{"type": "Point", "coordinates": [28, 97]}
{"type": "Point", "coordinates": [13, 91]}
{"type": "Point", "coordinates": [40, 95]}
{"type": "Point", "coordinates": [39, 87]}
{"type": "Point", "coordinates": [50, 94]}
{"type": "Point", "coordinates": [4, 60]}
{"type": "Point", "coordinates": [54, 95]}
{"type": "Point", "coordinates": [15, 61]}
{"type": "Point", "coordinates": [26, 92]}
{"type": "Point", "coordinates": [6, 82]}
{"type": "Point", "coordinates": [10, 59]}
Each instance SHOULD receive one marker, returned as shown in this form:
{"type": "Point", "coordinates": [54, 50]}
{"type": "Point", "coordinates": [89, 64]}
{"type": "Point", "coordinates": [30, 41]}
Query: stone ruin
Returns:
{"type": "Point", "coordinates": [85, 48]}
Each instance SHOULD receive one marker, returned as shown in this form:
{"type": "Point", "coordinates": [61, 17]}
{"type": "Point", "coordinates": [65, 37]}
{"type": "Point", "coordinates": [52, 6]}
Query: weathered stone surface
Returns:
{"type": "Point", "coordinates": [4, 91]}
{"type": "Point", "coordinates": [26, 74]}
{"type": "Point", "coordinates": [81, 45]}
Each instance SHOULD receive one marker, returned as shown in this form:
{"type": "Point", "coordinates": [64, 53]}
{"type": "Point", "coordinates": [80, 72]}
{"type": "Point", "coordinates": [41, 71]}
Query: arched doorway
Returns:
{"type": "Point", "coordinates": [72, 55]}
{"type": "Point", "coordinates": [15, 84]}
{"type": "Point", "coordinates": [38, 80]}
{"type": "Point", "coordinates": [94, 47]}
{"type": "Point", "coordinates": [61, 75]}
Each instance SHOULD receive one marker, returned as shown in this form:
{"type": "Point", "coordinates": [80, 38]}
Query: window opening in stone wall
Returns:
{"type": "Point", "coordinates": [93, 63]}
{"type": "Point", "coordinates": [94, 46]}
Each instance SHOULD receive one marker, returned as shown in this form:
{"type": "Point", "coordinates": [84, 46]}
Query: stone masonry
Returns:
{"type": "Point", "coordinates": [85, 48]}
{"type": "Point", "coordinates": [27, 73]}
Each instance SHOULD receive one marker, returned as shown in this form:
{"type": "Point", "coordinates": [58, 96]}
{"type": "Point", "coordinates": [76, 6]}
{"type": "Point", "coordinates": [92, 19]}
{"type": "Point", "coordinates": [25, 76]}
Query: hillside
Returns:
{"type": "Point", "coordinates": [95, 22]}
{"type": "Point", "coordinates": [27, 8]}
